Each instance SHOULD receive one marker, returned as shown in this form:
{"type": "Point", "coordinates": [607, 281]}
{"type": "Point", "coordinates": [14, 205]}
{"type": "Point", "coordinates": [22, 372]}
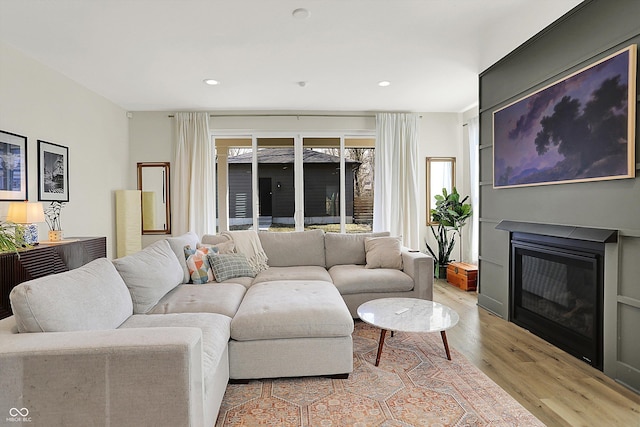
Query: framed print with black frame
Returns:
{"type": "Point", "coordinates": [53, 172]}
{"type": "Point", "coordinates": [13, 167]}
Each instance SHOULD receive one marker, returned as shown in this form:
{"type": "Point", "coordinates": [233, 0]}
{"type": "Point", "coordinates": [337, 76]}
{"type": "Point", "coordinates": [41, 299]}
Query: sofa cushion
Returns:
{"type": "Point", "coordinates": [177, 245]}
{"type": "Point", "coordinates": [214, 239]}
{"type": "Point", "coordinates": [230, 266]}
{"type": "Point", "coordinates": [383, 252]}
{"type": "Point", "coordinates": [355, 279]}
{"type": "Point", "coordinates": [221, 298]}
{"type": "Point", "coordinates": [310, 272]}
{"type": "Point", "coordinates": [222, 248]}
{"type": "Point", "coordinates": [290, 249]}
{"type": "Point", "coordinates": [90, 297]}
{"type": "Point", "coordinates": [291, 309]}
{"type": "Point", "coordinates": [347, 248]}
{"type": "Point", "coordinates": [215, 332]}
{"type": "Point", "coordinates": [244, 281]}
{"type": "Point", "coordinates": [150, 274]}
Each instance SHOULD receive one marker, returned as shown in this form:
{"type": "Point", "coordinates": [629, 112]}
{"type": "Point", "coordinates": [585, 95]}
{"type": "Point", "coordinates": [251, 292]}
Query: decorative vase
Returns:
{"type": "Point", "coordinates": [55, 235]}
{"type": "Point", "coordinates": [442, 271]}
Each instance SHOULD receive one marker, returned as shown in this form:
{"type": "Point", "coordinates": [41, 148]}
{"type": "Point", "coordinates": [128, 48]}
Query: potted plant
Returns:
{"type": "Point", "coordinates": [52, 214]}
{"type": "Point", "coordinates": [450, 215]}
{"type": "Point", "coordinates": [10, 241]}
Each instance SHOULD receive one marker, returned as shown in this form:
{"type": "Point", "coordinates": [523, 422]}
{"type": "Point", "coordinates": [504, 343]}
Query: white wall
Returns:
{"type": "Point", "coordinates": [441, 135]}
{"type": "Point", "coordinates": [468, 229]}
{"type": "Point", "coordinates": [152, 138]}
{"type": "Point", "coordinates": [40, 103]}
{"type": "Point", "coordinates": [307, 121]}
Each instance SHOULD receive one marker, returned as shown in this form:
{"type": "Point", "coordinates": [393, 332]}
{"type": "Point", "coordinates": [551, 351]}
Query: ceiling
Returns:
{"type": "Point", "coordinates": [153, 55]}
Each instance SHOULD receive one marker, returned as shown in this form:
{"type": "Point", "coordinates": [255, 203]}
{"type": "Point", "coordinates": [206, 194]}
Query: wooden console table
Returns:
{"type": "Point", "coordinates": [43, 260]}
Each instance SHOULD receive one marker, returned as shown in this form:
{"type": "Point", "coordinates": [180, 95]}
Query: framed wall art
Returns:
{"type": "Point", "coordinates": [580, 128]}
{"type": "Point", "coordinates": [13, 166]}
{"type": "Point", "coordinates": [53, 172]}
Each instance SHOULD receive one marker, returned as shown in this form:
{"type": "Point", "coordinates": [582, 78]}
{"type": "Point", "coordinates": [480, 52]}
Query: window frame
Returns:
{"type": "Point", "coordinates": [220, 139]}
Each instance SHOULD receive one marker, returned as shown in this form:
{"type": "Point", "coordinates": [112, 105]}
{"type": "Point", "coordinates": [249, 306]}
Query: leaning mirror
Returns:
{"type": "Point", "coordinates": [441, 173]}
{"type": "Point", "coordinates": [153, 182]}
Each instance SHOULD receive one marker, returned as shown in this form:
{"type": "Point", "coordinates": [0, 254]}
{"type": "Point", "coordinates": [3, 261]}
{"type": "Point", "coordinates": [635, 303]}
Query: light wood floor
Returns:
{"type": "Point", "coordinates": [557, 388]}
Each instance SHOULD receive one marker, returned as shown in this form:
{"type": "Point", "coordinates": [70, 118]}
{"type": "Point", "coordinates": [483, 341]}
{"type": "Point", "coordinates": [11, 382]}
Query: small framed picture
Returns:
{"type": "Point", "coordinates": [53, 172]}
{"type": "Point", "coordinates": [13, 166]}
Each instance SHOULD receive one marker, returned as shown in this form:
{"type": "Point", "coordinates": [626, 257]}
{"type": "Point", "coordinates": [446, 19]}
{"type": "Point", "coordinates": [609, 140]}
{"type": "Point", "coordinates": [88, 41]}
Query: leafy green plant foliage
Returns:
{"type": "Point", "coordinates": [451, 214]}
{"type": "Point", "coordinates": [450, 211]}
{"type": "Point", "coordinates": [10, 240]}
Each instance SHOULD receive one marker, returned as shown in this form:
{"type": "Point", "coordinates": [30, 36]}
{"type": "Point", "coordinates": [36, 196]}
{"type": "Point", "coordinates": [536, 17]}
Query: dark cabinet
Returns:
{"type": "Point", "coordinates": [43, 260]}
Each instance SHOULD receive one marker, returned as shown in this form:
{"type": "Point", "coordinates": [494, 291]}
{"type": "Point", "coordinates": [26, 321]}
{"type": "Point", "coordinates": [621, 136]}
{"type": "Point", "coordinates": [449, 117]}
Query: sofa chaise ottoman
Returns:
{"type": "Point", "coordinates": [291, 328]}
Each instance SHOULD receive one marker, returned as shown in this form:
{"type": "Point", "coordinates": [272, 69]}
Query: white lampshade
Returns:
{"type": "Point", "coordinates": [25, 212]}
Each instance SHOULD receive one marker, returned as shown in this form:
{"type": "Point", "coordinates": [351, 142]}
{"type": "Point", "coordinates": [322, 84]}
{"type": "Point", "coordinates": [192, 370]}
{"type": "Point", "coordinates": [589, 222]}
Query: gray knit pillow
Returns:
{"type": "Point", "coordinates": [230, 266]}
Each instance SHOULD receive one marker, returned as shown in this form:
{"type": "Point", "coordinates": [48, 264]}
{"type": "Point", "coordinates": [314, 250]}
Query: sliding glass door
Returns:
{"type": "Point", "coordinates": [287, 183]}
{"type": "Point", "coordinates": [276, 195]}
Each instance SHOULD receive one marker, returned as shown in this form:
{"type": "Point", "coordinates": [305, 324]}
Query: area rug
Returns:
{"type": "Point", "coordinates": [414, 385]}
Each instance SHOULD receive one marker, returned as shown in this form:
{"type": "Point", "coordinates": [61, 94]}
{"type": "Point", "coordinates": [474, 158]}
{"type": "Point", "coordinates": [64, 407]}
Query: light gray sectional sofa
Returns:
{"type": "Point", "coordinates": [130, 342]}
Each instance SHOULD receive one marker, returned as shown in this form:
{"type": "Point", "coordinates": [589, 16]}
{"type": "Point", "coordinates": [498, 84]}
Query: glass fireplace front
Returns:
{"type": "Point", "coordinates": [557, 292]}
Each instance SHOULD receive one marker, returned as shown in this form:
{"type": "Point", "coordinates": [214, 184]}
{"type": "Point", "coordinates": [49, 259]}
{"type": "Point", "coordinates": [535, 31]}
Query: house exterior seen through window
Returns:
{"type": "Point", "coordinates": [277, 192]}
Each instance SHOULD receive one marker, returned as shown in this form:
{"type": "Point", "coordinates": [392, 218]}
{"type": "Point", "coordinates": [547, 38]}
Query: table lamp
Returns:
{"type": "Point", "coordinates": [27, 214]}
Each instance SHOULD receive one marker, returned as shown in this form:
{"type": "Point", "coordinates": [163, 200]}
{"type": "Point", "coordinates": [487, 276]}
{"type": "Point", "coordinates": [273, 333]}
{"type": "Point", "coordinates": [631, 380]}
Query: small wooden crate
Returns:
{"type": "Point", "coordinates": [463, 275]}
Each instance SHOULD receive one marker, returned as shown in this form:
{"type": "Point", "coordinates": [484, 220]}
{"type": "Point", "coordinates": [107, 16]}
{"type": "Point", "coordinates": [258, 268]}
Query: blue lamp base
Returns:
{"type": "Point", "coordinates": [30, 234]}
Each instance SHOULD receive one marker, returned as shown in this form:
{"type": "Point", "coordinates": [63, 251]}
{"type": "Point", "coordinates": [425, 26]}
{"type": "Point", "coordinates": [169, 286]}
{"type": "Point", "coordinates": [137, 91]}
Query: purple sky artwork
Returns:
{"type": "Point", "coordinates": [573, 130]}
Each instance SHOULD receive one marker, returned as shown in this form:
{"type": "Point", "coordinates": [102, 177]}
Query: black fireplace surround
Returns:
{"type": "Point", "coordinates": [557, 285]}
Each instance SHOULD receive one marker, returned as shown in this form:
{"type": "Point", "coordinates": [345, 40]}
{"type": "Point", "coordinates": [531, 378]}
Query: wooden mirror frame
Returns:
{"type": "Point", "coordinates": [431, 162]}
{"type": "Point", "coordinates": [166, 196]}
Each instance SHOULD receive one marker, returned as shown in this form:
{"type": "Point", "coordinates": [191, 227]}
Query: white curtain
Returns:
{"type": "Point", "coordinates": [194, 185]}
{"type": "Point", "coordinates": [473, 128]}
{"type": "Point", "coordinates": [395, 205]}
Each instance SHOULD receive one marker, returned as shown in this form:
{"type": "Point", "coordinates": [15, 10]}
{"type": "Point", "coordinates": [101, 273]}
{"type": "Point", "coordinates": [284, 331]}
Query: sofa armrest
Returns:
{"type": "Point", "coordinates": [118, 377]}
{"type": "Point", "coordinates": [419, 267]}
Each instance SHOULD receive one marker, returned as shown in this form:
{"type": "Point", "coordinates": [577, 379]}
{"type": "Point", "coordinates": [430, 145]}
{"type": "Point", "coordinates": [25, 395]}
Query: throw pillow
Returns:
{"type": "Point", "coordinates": [230, 266]}
{"type": "Point", "coordinates": [177, 244]}
{"type": "Point", "coordinates": [198, 264]}
{"type": "Point", "coordinates": [221, 248]}
{"type": "Point", "coordinates": [90, 297]}
{"type": "Point", "coordinates": [347, 248]}
{"type": "Point", "coordinates": [383, 252]}
{"type": "Point", "coordinates": [150, 274]}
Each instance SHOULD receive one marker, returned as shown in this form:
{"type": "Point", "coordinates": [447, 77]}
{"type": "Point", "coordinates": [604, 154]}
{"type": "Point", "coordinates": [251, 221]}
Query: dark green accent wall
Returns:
{"type": "Point", "coordinates": [591, 31]}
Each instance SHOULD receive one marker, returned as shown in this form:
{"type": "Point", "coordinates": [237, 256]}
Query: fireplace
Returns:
{"type": "Point", "coordinates": [556, 285]}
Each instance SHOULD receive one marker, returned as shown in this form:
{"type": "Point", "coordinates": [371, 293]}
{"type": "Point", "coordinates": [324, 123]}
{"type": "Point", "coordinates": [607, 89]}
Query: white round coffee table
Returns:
{"type": "Point", "coordinates": [408, 315]}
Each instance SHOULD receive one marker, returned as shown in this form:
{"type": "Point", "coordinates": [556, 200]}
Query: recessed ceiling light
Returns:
{"type": "Point", "coordinates": [211, 82]}
{"type": "Point", "coordinates": [384, 83]}
{"type": "Point", "coordinates": [301, 13]}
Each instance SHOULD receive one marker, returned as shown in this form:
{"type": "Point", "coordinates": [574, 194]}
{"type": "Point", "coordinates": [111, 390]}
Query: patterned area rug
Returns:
{"type": "Point", "coordinates": [415, 385]}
